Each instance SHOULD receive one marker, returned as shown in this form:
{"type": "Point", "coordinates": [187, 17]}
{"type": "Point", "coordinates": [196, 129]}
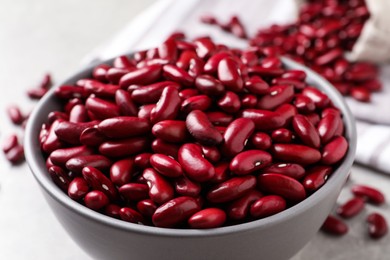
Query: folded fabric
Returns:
{"type": "Point", "coordinates": [166, 16]}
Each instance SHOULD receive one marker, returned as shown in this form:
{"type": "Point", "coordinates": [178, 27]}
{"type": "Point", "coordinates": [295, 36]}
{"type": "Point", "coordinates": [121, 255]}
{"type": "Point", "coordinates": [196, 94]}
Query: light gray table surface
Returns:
{"type": "Point", "coordinates": [43, 35]}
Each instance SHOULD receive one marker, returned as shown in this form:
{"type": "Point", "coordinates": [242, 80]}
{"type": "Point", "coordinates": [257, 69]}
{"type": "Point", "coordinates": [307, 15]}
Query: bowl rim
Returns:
{"type": "Point", "coordinates": [34, 159]}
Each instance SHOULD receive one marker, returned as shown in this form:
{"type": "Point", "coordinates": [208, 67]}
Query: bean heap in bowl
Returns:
{"type": "Point", "coordinates": [192, 134]}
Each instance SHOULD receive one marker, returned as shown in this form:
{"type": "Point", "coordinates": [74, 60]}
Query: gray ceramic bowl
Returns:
{"type": "Point", "coordinates": [273, 238]}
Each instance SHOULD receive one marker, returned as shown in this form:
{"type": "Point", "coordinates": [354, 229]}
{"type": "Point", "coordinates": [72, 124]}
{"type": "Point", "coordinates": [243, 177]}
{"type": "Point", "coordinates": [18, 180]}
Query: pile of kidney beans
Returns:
{"type": "Point", "coordinates": [192, 134]}
{"type": "Point", "coordinates": [324, 31]}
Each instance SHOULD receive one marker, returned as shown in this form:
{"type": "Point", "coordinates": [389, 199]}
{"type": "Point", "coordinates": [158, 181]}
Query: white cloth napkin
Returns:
{"type": "Point", "coordinates": [152, 26]}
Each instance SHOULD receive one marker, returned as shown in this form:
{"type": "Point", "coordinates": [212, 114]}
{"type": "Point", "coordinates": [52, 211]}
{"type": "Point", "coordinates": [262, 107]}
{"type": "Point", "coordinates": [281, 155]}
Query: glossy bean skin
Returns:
{"type": "Point", "coordinates": [124, 147]}
{"type": "Point", "coordinates": [296, 153]}
{"type": "Point", "coordinates": [199, 126]}
{"type": "Point", "coordinates": [369, 193]}
{"type": "Point", "coordinates": [142, 161]}
{"type": "Point", "coordinates": [284, 186]}
{"type": "Point", "coordinates": [59, 177]}
{"type": "Point", "coordinates": [351, 208]}
{"type": "Point", "coordinates": [112, 210]}
{"type": "Point", "coordinates": [218, 118]}
{"type": "Point", "coordinates": [328, 126]}
{"type": "Point", "coordinates": [77, 188]}
{"type": "Point", "coordinates": [257, 85]}
{"type": "Point", "coordinates": [165, 165]}
{"type": "Point", "coordinates": [334, 226]}
{"type": "Point", "coordinates": [319, 98]}
{"type": "Point", "coordinates": [178, 75]}
{"type": "Point", "coordinates": [261, 141]}
{"type": "Point", "coordinates": [151, 93]}
{"type": "Point", "coordinates": [160, 190]}
{"type": "Point", "coordinates": [292, 170]}
{"type": "Point", "coordinates": [198, 102]}
{"type": "Point", "coordinates": [101, 108]}
{"type": "Point", "coordinates": [146, 207]}
{"type": "Point", "coordinates": [207, 218]}
{"type": "Point", "coordinates": [211, 153]}
{"type": "Point", "coordinates": [267, 206]}
{"type": "Point", "coordinates": [236, 136]}
{"type": "Point", "coordinates": [316, 177]}
{"type": "Point", "coordinates": [125, 103]}
{"type": "Point", "coordinates": [96, 200]}
{"type": "Point", "coordinates": [145, 75]}
{"type": "Point", "coordinates": [231, 189]}
{"type": "Point", "coordinates": [249, 161]}
{"type": "Point", "coordinates": [186, 187]}
{"type": "Point", "coordinates": [98, 181]}
{"type": "Point", "coordinates": [209, 85]}
{"type": "Point", "coordinates": [77, 163]}
{"type": "Point", "coordinates": [124, 127]}
{"type": "Point", "coordinates": [61, 156]}
{"type": "Point", "coordinates": [334, 151]}
{"type": "Point", "coordinates": [221, 172]}
{"type": "Point", "coordinates": [194, 165]}
{"type": "Point", "coordinates": [131, 192]}
{"type": "Point", "coordinates": [15, 155]}
{"type": "Point", "coordinates": [170, 149]}
{"type": "Point", "coordinates": [70, 132]}
{"type": "Point", "coordinates": [287, 112]}
{"type": "Point", "coordinates": [10, 142]}
{"type": "Point", "coordinates": [282, 135]}
{"type": "Point", "coordinates": [264, 119]}
{"type": "Point", "coordinates": [121, 171]}
{"type": "Point", "coordinates": [175, 211]}
{"type": "Point", "coordinates": [229, 74]}
{"type": "Point", "coordinates": [91, 136]}
{"type": "Point", "coordinates": [239, 208]}
{"type": "Point", "coordinates": [306, 131]}
{"type": "Point", "coordinates": [377, 225]}
{"type": "Point", "coordinates": [276, 96]}
{"type": "Point", "coordinates": [167, 107]}
{"type": "Point", "coordinates": [168, 50]}
{"type": "Point", "coordinates": [211, 66]}
{"type": "Point", "coordinates": [130, 215]}
{"type": "Point", "coordinates": [78, 114]}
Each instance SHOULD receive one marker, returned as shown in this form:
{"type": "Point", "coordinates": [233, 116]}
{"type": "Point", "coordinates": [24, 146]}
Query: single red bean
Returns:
{"type": "Point", "coordinates": [70, 132]}
{"type": "Point", "coordinates": [229, 102]}
{"type": "Point", "coordinates": [59, 177]}
{"type": "Point", "coordinates": [360, 93]}
{"type": "Point", "coordinates": [186, 187]}
{"type": "Point", "coordinates": [207, 218]}
{"type": "Point", "coordinates": [231, 189]}
{"type": "Point", "coordinates": [9, 143]}
{"type": "Point", "coordinates": [196, 67]}
{"type": "Point", "coordinates": [201, 129]}
{"type": "Point", "coordinates": [146, 207]}
{"type": "Point", "coordinates": [249, 161]}
{"type": "Point", "coordinates": [209, 85]}
{"type": "Point", "coordinates": [261, 141]}
{"type": "Point", "coordinates": [239, 208]}
{"type": "Point", "coordinates": [187, 93]}
{"type": "Point", "coordinates": [319, 98]}
{"type": "Point", "coordinates": [78, 188]}
{"type": "Point", "coordinates": [112, 210]}
{"type": "Point", "coordinates": [171, 131]}
{"type": "Point", "coordinates": [52, 142]}
{"type": "Point", "coordinates": [306, 131]}
{"type": "Point", "coordinates": [204, 47]}
{"type": "Point", "coordinates": [68, 92]}
{"type": "Point", "coordinates": [36, 93]}
{"type": "Point", "coordinates": [211, 66]}
{"type": "Point", "coordinates": [249, 101]}
{"type": "Point", "coordinates": [194, 165]}
{"type": "Point", "coordinates": [91, 136]}
{"type": "Point", "coordinates": [130, 215]}
{"type": "Point", "coordinates": [249, 58]}
{"type": "Point", "coordinates": [304, 104]}
{"type": "Point", "coordinates": [168, 50]}
{"type": "Point", "coordinates": [114, 75]}
{"type": "Point", "coordinates": [101, 108]}
{"type": "Point", "coordinates": [141, 161]}
{"type": "Point", "coordinates": [211, 153]}
{"type": "Point", "coordinates": [236, 136]}
{"type": "Point", "coordinates": [221, 172]}
{"type": "Point", "coordinates": [267, 206]}
{"type": "Point", "coordinates": [160, 190]}
{"type": "Point", "coordinates": [151, 93]}
{"type": "Point", "coordinates": [334, 226]}
{"type": "Point", "coordinates": [294, 74]}
{"type": "Point", "coordinates": [145, 111]}
{"type": "Point", "coordinates": [264, 119]}
{"type": "Point", "coordinates": [295, 83]}
{"type": "Point", "coordinates": [100, 89]}
{"type": "Point", "coordinates": [123, 62]}
{"type": "Point", "coordinates": [78, 114]}
{"type": "Point", "coordinates": [77, 163]}
{"type": "Point", "coordinates": [199, 102]}
{"type": "Point", "coordinates": [124, 147]}
{"type": "Point", "coordinates": [98, 181]}
{"type": "Point", "coordinates": [121, 171]}
{"type": "Point", "coordinates": [236, 27]}
{"type": "Point", "coordinates": [296, 153]}
{"type": "Point", "coordinates": [369, 193]}
{"type": "Point", "coordinates": [125, 103]}
{"type": "Point", "coordinates": [165, 165]}
{"type": "Point", "coordinates": [179, 75]}
{"type": "Point", "coordinates": [230, 75]}
{"type": "Point", "coordinates": [334, 151]}
{"type": "Point", "coordinates": [328, 126]}
{"type": "Point", "coordinates": [218, 118]}
{"type": "Point", "coordinates": [328, 57]}
{"type": "Point", "coordinates": [96, 200]}
{"type": "Point", "coordinates": [175, 212]}
{"type": "Point", "coordinates": [184, 59]}
{"type": "Point", "coordinates": [265, 71]}
{"type": "Point", "coordinates": [134, 192]}
{"type": "Point", "coordinates": [168, 105]}
{"type": "Point", "coordinates": [16, 154]}
{"type": "Point", "coordinates": [56, 115]}
{"type": "Point", "coordinates": [351, 208]}
{"type": "Point", "coordinates": [145, 75]}
{"type": "Point", "coordinates": [282, 135]}
{"type": "Point", "coordinates": [373, 85]}
{"type": "Point", "coordinates": [271, 63]}
{"type": "Point", "coordinates": [377, 225]}
{"type": "Point", "coordinates": [316, 177]}
{"type": "Point", "coordinates": [15, 115]}
{"type": "Point", "coordinates": [282, 185]}
{"type": "Point", "coordinates": [100, 72]}
{"type": "Point", "coordinates": [287, 111]}
{"type": "Point", "coordinates": [71, 103]}
{"type": "Point", "coordinates": [124, 126]}
{"type": "Point", "coordinates": [61, 156]}
{"type": "Point", "coordinates": [160, 146]}
{"type": "Point", "coordinates": [292, 170]}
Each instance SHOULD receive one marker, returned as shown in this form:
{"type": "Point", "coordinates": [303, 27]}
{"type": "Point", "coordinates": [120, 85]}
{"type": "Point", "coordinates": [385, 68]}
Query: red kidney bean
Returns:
{"type": "Point", "coordinates": [78, 114]}
{"type": "Point", "coordinates": [328, 57]}
{"type": "Point", "coordinates": [369, 193]}
{"type": "Point", "coordinates": [377, 225]}
{"type": "Point", "coordinates": [77, 163]}
{"type": "Point", "coordinates": [204, 47]}
{"type": "Point", "coordinates": [91, 136]}
{"type": "Point", "coordinates": [112, 210]}
{"type": "Point", "coordinates": [287, 111]}
{"type": "Point", "coordinates": [328, 126]}
{"type": "Point", "coordinates": [168, 50]}
{"type": "Point", "coordinates": [249, 101]}
{"type": "Point", "coordinates": [61, 156]}
{"type": "Point", "coordinates": [207, 218]}
{"type": "Point", "coordinates": [165, 165]}
{"type": "Point", "coordinates": [134, 191]}
{"type": "Point", "coordinates": [236, 136]}
{"type": "Point", "coordinates": [239, 208]}
{"type": "Point", "coordinates": [145, 75]}
{"type": "Point", "coordinates": [194, 165]}
{"type": "Point", "coordinates": [151, 93]}
{"type": "Point", "coordinates": [101, 108]}
{"type": "Point", "coordinates": [71, 103]}
{"type": "Point", "coordinates": [360, 93]}
{"type": "Point", "coordinates": [264, 119]}
{"type": "Point", "coordinates": [186, 187]}
{"type": "Point", "coordinates": [176, 74]}
{"type": "Point", "coordinates": [70, 132]}
{"type": "Point", "coordinates": [52, 142]}
{"type": "Point", "coordinates": [124, 126]}
{"type": "Point", "coordinates": [199, 102]}
{"type": "Point", "coordinates": [160, 190]}
{"type": "Point", "coordinates": [229, 102]}
{"type": "Point", "coordinates": [100, 72]}
{"type": "Point", "coordinates": [16, 154]}
{"type": "Point", "coordinates": [265, 72]}
{"type": "Point", "coordinates": [292, 170]}
{"type": "Point", "coordinates": [229, 74]}
{"type": "Point", "coordinates": [373, 85]}
{"type": "Point", "coordinates": [351, 208]}
{"type": "Point", "coordinates": [211, 66]}
{"type": "Point", "coordinates": [221, 172]}
{"type": "Point", "coordinates": [36, 93]}
{"type": "Point", "coordinates": [334, 226]}
{"type": "Point", "coordinates": [211, 153]}
{"type": "Point", "coordinates": [304, 104]}
{"type": "Point", "coordinates": [96, 200]}
{"type": "Point", "coordinates": [146, 207]}
{"type": "Point", "coordinates": [55, 115]}
{"type": "Point", "coordinates": [77, 188]}
{"type": "Point", "coordinates": [249, 58]}
{"type": "Point", "coordinates": [59, 177]}
{"type": "Point", "coordinates": [114, 75]}
{"type": "Point", "coordinates": [296, 153]}
{"type": "Point", "coordinates": [121, 171]}
{"type": "Point", "coordinates": [168, 105]}
{"type": "Point", "coordinates": [316, 177]}
{"type": "Point", "coordinates": [187, 93]}
{"type": "Point", "coordinates": [219, 118]}
{"type": "Point", "coordinates": [313, 118]}
{"type": "Point", "coordinates": [15, 115]}
{"type": "Point", "coordinates": [9, 143]}
{"type": "Point", "coordinates": [249, 161]}
{"type": "Point", "coordinates": [294, 74]}
{"type": "Point", "coordinates": [267, 206]}
{"type": "Point", "coordinates": [184, 59]}
{"type": "Point", "coordinates": [171, 131]}
{"type": "Point", "coordinates": [125, 103]}
{"type": "Point", "coordinates": [208, 85]}
{"type": "Point", "coordinates": [130, 215]}
{"type": "Point", "coordinates": [124, 147]}
{"type": "Point", "coordinates": [123, 62]}
{"type": "Point", "coordinates": [271, 63]}
{"type": "Point", "coordinates": [98, 181]}
{"type": "Point", "coordinates": [236, 27]}
{"type": "Point", "coordinates": [282, 185]}
{"type": "Point", "coordinates": [196, 67]}
{"type": "Point", "coordinates": [295, 83]}
{"type": "Point", "coordinates": [145, 111]}
{"type": "Point", "coordinates": [68, 92]}
{"type": "Point", "coordinates": [100, 89]}
{"type": "Point", "coordinates": [306, 131]}
{"type": "Point", "coordinates": [319, 98]}
{"type": "Point", "coordinates": [160, 146]}
{"type": "Point", "coordinates": [141, 161]}
{"type": "Point", "coordinates": [261, 141]}
{"type": "Point", "coordinates": [334, 151]}
{"type": "Point", "coordinates": [201, 129]}
{"type": "Point", "coordinates": [231, 189]}
{"type": "Point", "coordinates": [175, 211]}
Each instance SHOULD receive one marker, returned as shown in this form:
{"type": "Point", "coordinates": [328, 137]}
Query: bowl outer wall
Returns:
{"type": "Point", "coordinates": [276, 237]}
